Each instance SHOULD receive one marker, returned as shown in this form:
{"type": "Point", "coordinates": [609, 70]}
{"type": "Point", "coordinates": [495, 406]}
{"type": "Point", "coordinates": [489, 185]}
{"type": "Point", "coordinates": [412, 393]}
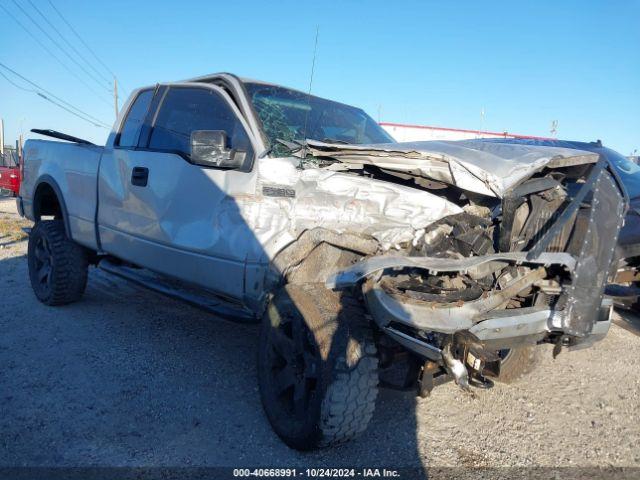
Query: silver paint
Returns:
{"type": "Point", "coordinates": [474, 165]}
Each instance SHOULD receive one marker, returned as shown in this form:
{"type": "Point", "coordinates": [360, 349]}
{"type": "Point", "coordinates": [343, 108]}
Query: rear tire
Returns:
{"type": "Point", "coordinates": [317, 367]}
{"type": "Point", "coordinates": [57, 265]}
{"type": "Point", "coordinates": [517, 363]}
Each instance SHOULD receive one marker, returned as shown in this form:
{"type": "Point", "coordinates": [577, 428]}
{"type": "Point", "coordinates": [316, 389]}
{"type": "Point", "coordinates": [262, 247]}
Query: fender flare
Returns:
{"type": "Point", "coordinates": [47, 179]}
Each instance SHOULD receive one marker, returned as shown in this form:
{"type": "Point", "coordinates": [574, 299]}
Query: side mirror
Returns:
{"type": "Point", "coordinates": [209, 149]}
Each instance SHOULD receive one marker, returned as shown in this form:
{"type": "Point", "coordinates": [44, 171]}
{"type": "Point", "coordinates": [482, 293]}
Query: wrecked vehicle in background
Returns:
{"type": "Point", "coordinates": [625, 286]}
{"type": "Point", "coordinates": [9, 172]}
{"type": "Point", "coordinates": [367, 260]}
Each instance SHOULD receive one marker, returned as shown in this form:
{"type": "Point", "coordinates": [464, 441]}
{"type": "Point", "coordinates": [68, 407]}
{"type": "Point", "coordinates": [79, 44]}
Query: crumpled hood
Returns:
{"type": "Point", "coordinates": [478, 166]}
{"type": "Point", "coordinates": [293, 200]}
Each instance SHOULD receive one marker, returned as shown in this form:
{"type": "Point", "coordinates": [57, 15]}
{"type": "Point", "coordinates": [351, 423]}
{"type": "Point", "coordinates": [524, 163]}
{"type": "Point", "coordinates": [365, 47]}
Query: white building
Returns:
{"type": "Point", "coordinates": [412, 133]}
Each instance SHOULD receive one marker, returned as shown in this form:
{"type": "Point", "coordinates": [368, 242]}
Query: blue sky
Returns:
{"type": "Point", "coordinates": [423, 62]}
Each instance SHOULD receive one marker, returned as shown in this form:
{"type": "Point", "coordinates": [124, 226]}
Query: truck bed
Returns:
{"type": "Point", "coordinates": [74, 169]}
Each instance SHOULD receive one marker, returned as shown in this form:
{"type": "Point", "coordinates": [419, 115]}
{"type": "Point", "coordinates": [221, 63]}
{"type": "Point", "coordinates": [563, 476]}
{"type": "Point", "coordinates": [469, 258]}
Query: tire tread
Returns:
{"type": "Point", "coordinates": [69, 265]}
{"type": "Point", "coordinates": [350, 400]}
{"type": "Point", "coordinates": [521, 362]}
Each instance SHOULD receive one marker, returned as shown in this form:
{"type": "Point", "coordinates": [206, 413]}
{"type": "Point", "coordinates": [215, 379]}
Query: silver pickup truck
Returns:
{"type": "Point", "coordinates": [368, 262]}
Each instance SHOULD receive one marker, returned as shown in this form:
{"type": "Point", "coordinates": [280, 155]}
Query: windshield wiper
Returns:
{"type": "Point", "coordinates": [335, 140]}
{"type": "Point", "coordinates": [292, 146]}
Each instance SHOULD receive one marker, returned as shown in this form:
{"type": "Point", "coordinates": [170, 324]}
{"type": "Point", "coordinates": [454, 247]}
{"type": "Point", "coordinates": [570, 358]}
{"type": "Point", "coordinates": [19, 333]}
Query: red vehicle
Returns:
{"type": "Point", "coordinates": [9, 172]}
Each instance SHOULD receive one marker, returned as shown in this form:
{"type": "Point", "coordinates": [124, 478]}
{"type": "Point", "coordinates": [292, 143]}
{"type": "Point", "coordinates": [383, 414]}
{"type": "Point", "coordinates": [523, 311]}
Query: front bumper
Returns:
{"type": "Point", "coordinates": [492, 326]}
{"type": "Point", "coordinates": [583, 318]}
{"type": "Point", "coordinates": [510, 330]}
{"type": "Point", "coordinates": [387, 308]}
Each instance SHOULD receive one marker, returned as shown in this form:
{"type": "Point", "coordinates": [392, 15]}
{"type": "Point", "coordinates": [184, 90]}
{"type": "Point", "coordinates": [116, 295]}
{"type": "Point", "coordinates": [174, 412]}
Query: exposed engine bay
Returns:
{"type": "Point", "coordinates": [510, 269]}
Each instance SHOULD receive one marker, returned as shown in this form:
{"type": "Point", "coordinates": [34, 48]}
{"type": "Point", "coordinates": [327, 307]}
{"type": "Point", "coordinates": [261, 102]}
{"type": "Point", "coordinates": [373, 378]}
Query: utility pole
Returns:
{"type": "Point", "coordinates": [1, 136]}
{"type": "Point", "coordinates": [481, 122]}
{"type": "Point", "coordinates": [115, 94]}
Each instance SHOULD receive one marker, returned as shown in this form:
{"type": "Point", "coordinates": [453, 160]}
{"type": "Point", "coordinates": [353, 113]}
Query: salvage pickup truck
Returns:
{"type": "Point", "coordinates": [368, 262]}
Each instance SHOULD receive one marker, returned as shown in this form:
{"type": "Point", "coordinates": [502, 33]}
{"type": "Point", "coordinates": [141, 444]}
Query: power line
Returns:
{"type": "Point", "coordinates": [22, 77]}
{"type": "Point", "coordinates": [53, 27]}
{"type": "Point", "coordinates": [16, 85]}
{"type": "Point", "coordinates": [60, 47]}
{"type": "Point", "coordinates": [82, 40]}
{"type": "Point", "coordinates": [53, 54]}
{"type": "Point", "coordinates": [50, 100]}
{"type": "Point", "coordinates": [71, 112]}
{"type": "Point", "coordinates": [60, 102]}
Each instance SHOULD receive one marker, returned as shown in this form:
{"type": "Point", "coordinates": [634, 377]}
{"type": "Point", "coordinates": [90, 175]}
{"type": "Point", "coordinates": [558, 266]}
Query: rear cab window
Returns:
{"type": "Point", "coordinates": [130, 131]}
{"type": "Point", "coordinates": [8, 159]}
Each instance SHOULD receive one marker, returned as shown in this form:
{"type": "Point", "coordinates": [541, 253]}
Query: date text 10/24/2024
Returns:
{"type": "Point", "coordinates": [316, 473]}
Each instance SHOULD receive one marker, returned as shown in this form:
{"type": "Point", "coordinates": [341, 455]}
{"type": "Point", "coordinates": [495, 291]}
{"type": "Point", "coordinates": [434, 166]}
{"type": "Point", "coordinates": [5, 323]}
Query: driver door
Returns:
{"type": "Point", "coordinates": [159, 210]}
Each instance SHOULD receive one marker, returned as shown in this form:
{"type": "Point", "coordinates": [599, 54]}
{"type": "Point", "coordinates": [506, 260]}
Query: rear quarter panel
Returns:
{"type": "Point", "coordinates": [74, 170]}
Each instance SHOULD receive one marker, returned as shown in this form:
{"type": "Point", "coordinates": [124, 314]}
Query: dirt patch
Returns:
{"type": "Point", "coordinates": [11, 229]}
{"type": "Point", "coordinates": [11, 224]}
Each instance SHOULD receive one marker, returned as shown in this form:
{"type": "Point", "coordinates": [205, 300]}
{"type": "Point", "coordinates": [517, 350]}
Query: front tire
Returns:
{"type": "Point", "coordinates": [57, 265]}
{"type": "Point", "coordinates": [517, 363]}
{"type": "Point", "coordinates": [317, 367]}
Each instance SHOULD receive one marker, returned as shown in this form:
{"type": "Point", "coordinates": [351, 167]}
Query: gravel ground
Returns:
{"type": "Point", "coordinates": [127, 377]}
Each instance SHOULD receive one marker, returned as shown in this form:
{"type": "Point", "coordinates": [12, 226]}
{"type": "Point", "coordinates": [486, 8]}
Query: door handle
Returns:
{"type": "Point", "coordinates": [139, 176]}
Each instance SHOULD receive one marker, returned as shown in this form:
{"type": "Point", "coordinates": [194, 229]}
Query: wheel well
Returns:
{"type": "Point", "coordinates": [47, 203]}
{"type": "Point", "coordinates": [298, 256]}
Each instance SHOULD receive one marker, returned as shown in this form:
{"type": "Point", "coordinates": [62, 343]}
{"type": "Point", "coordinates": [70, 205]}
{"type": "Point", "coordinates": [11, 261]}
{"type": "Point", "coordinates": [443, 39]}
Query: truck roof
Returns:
{"type": "Point", "coordinates": [228, 76]}
{"type": "Point", "coordinates": [221, 75]}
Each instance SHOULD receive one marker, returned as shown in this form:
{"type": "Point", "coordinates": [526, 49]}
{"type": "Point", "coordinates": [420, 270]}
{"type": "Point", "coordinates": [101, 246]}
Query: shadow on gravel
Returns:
{"type": "Point", "coordinates": [629, 320]}
{"type": "Point", "coordinates": [126, 377]}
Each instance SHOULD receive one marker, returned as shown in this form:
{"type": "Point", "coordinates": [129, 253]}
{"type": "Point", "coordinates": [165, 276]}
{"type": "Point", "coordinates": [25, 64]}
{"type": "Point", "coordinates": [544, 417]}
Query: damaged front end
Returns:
{"type": "Point", "coordinates": [531, 269]}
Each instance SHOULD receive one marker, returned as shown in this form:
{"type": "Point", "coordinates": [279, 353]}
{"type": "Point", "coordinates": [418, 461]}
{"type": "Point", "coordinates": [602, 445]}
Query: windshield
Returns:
{"type": "Point", "coordinates": [290, 115]}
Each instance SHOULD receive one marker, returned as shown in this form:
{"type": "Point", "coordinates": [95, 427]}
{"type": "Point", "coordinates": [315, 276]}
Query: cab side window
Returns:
{"type": "Point", "coordinates": [187, 109]}
{"type": "Point", "coordinates": [132, 126]}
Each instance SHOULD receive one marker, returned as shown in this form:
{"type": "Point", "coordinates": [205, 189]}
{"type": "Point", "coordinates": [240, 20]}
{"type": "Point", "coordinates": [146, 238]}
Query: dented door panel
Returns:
{"type": "Point", "coordinates": [185, 222]}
